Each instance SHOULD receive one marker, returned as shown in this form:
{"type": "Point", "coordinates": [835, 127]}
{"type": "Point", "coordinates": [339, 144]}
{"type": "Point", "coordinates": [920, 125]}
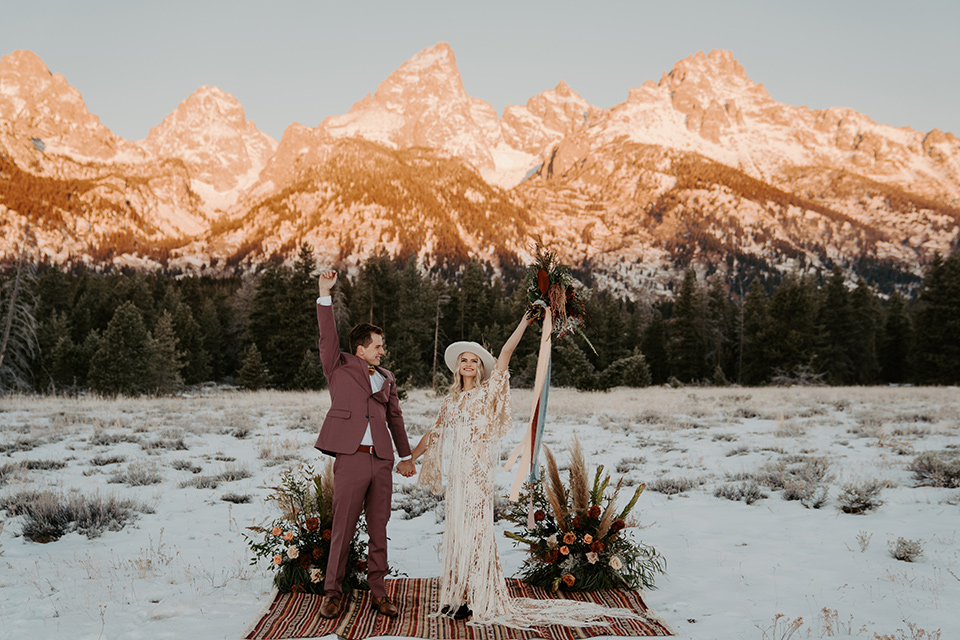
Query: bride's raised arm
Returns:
{"type": "Point", "coordinates": [511, 344]}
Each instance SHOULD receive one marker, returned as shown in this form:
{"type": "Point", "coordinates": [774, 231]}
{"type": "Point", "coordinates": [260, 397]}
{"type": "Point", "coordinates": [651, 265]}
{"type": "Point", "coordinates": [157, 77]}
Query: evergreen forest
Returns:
{"type": "Point", "coordinates": [74, 330]}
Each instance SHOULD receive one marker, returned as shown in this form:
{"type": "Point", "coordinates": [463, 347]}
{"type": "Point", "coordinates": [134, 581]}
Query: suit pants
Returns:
{"type": "Point", "coordinates": [361, 482]}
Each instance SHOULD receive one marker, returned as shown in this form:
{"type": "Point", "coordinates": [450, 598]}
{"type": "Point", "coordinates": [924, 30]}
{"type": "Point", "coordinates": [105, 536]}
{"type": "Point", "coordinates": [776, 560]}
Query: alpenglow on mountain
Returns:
{"type": "Point", "coordinates": [702, 167]}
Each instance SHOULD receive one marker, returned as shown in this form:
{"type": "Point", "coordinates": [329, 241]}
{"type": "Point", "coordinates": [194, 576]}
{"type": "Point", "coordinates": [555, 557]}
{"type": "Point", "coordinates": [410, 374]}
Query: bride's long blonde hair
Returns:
{"type": "Point", "coordinates": [457, 385]}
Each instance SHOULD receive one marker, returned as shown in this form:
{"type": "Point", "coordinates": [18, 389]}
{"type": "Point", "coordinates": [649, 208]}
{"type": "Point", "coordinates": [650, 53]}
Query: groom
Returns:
{"type": "Point", "coordinates": [364, 414]}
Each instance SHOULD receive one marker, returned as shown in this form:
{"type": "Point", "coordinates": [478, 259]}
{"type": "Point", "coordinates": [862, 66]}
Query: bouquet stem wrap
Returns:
{"type": "Point", "coordinates": [529, 448]}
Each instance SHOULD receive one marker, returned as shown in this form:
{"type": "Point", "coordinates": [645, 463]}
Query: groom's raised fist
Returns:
{"type": "Point", "coordinates": [326, 281]}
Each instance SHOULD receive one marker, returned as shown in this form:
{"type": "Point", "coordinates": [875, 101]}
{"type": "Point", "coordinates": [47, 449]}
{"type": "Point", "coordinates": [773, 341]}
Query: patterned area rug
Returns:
{"type": "Point", "coordinates": [293, 615]}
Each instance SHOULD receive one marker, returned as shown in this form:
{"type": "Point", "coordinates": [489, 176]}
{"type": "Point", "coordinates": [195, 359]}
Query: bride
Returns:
{"type": "Point", "coordinates": [466, 435]}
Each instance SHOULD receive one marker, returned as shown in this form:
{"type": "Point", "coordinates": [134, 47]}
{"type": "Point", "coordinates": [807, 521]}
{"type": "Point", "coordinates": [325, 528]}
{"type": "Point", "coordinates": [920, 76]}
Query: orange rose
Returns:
{"type": "Point", "coordinates": [288, 536]}
{"type": "Point", "coordinates": [276, 531]}
{"type": "Point", "coordinates": [569, 537]}
{"type": "Point", "coordinates": [277, 559]}
{"type": "Point", "coordinates": [568, 579]}
{"type": "Point", "coordinates": [565, 550]}
{"type": "Point", "coordinates": [587, 539]}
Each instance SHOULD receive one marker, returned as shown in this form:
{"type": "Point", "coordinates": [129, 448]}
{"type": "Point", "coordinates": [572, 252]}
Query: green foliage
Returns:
{"type": "Point", "coordinates": [631, 371]}
{"type": "Point", "coordinates": [688, 349]}
{"type": "Point", "coordinates": [121, 364]}
{"type": "Point", "coordinates": [938, 323]}
{"type": "Point", "coordinates": [167, 361]}
{"type": "Point", "coordinates": [825, 330]}
{"type": "Point", "coordinates": [253, 374]}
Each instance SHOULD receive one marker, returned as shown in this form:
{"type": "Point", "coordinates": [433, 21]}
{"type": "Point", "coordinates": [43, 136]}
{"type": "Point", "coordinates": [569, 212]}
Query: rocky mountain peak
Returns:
{"type": "Point", "coordinates": [211, 134]}
{"type": "Point", "coordinates": [423, 103]}
{"type": "Point", "coordinates": [41, 104]}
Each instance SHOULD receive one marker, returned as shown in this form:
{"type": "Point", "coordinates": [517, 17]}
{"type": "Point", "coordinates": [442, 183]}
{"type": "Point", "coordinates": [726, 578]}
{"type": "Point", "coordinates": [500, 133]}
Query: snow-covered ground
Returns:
{"type": "Point", "coordinates": [733, 570]}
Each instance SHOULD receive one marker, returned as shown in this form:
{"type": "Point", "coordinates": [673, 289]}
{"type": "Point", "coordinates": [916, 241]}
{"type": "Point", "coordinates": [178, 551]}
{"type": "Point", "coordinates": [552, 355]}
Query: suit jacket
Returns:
{"type": "Point", "coordinates": [352, 401]}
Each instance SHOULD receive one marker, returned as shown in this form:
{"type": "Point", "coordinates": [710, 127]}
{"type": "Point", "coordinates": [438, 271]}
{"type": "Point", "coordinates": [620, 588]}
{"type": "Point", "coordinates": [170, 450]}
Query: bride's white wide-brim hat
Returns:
{"type": "Point", "coordinates": [452, 356]}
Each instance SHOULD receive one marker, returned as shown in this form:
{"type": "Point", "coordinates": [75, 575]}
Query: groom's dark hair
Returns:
{"type": "Point", "coordinates": [362, 335]}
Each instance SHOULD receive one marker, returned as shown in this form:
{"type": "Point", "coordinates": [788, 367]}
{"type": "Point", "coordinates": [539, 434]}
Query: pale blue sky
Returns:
{"type": "Point", "coordinates": [134, 61]}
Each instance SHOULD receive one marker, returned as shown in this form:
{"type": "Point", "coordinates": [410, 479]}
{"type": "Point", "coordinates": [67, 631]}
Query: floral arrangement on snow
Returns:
{"type": "Point", "coordinates": [547, 282]}
{"type": "Point", "coordinates": [297, 544]}
{"type": "Point", "coordinates": [577, 541]}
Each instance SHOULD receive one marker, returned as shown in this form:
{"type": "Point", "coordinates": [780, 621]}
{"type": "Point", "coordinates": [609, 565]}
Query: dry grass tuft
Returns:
{"type": "Point", "coordinates": [555, 491]}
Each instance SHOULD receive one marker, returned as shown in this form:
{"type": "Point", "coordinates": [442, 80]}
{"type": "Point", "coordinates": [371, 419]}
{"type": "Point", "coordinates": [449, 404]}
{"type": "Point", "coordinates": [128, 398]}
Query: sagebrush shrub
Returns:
{"type": "Point", "coordinates": [748, 492]}
{"type": "Point", "coordinates": [936, 469]}
{"type": "Point", "coordinates": [672, 486]}
{"type": "Point", "coordinates": [860, 498]}
{"type": "Point", "coordinates": [906, 550]}
{"type": "Point", "coordinates": [49, 516]}
{"type": "Point", "coordinates": [414, 501]}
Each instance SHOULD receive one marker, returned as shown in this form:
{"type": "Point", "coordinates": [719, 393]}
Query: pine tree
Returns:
{"type": "Point", "coordinates": [896, 342]}
{"type": "Point", "coordinates": [793, 314]}
{"type": "Point", "coordinates": [212, 337]}
{"type": "Point", "coordinates": [167, 360]}
{"type": "Point", "coordinates": [756, 366]}
{"type": "Point", "coordinates": [410, 340]}
{"type": "Point", "coordinates": [721, 328]}
{"type": "Point", "coordinates": [196, 360]}
{"type": "Point", "coordinates": [570, 366]}
{"type": "Point", "coordinates": [866, 320]}
{"type": "Point", "coordinates": [253, 374]}
{"type": "Point", "coordinates": [687, 344]}
{"type": "Point", "coordinates": [938, 323]}
{"type": "Point", "coordinates": [121, 364]}
{"type": "Point", "coordinates": [631, 371]}
{"type": "Point", "coordinates": [310, 373]}
{"type": "Point", "coordinates": [267, 324]}
{"type": "Point", "coordinates": [837, 332]}
{"type": "Point", "coordinates": [654, 348]}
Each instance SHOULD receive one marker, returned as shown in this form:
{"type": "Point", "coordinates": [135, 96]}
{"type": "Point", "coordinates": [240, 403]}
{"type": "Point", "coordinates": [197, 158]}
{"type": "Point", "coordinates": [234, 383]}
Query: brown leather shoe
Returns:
{"type": "Point", "coordinates": [331, 606]}
{"type": "Point", "coordinates": [385, 606]}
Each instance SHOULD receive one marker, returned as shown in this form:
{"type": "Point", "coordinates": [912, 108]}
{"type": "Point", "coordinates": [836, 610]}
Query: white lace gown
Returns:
{"type": "Point", "coordinates": [467, 436]}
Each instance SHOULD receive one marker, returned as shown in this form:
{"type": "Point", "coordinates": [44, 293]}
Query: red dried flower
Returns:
{"type": "Point", "coordinates": [317, 553]}
{"type": "Point", "coordinates": [569, 537]}
{"type": "Point", "coordinates": [594, 511]}
{"type": "Point", "coordinates": [543, 281]}
{"type": "Point", "coordinates": [617, 525]}
{"type": "Point", "coordinates": [568, 579]}
{"type": "Point", "coordinates": [297, 588]}
{"type": "Point", "coordinates": [576, 522]}
{"type": "Point", "coordinates": [327, 534]}
{"type": "Point", "coordinates": [539, 515]}
{"type": "Point", "coordinates": [551, 556]}
{"type": "Point", "coordinates": [305, 560]}
{"type": "Point", "coordinates": [596, 547]}
{"type": "Point", "coordinates": [362, 565]}
{"type": "Point", "coordinates": [313, 523]}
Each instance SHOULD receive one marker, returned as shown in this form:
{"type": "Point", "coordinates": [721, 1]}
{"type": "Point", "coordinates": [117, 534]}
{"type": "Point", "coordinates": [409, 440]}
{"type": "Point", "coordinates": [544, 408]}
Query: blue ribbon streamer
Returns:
{"type": "Point", "coordinates": [541, 419]}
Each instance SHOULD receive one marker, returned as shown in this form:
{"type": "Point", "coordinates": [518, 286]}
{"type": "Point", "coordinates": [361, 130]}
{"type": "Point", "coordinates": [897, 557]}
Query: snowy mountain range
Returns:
{"type": "Point", "coordinates": [702, 167]}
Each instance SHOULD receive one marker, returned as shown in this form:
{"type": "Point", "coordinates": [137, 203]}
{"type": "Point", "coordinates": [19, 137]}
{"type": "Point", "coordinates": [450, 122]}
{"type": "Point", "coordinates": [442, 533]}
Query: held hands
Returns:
{"type": "Point", "coordinates": [406, 468]}
{"type": "Point", "coordinates": [326, 281]}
